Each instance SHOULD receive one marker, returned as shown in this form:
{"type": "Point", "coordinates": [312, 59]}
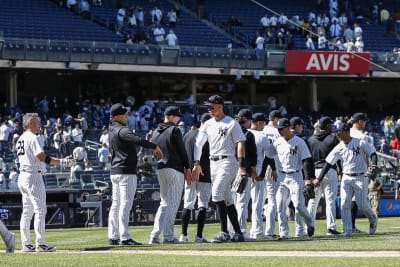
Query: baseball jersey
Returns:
{"type": "Point", "coordinates": [352, 154]}
{"type": "Point", "coordinates": [28, 147]}
{"type": "Point", "coordinates": [360, 135]}
{"type": "Point", "coordinates": [290, 153]}
{"type": "Point", "coordinates": [271, 132]}
{"type": "Point", "coordinates": [222, 136]}
{"type": "Point", "coordinates": [262, 144]}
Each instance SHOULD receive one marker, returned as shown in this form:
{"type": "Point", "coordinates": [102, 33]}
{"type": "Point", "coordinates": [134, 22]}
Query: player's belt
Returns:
{"type": "Point", "coordinates": [285, 172]}
{"type": "Point", "coordinates": [23, 170]}
{"type": "Point", "coordinates": [216, 158]}
{"type": "Point", "coordinates": [354, 174]}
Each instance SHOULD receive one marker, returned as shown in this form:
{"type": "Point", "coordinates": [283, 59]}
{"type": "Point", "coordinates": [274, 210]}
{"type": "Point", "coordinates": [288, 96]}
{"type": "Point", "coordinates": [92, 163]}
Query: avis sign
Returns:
{"type": "Point", "coordinates": [327, 62]}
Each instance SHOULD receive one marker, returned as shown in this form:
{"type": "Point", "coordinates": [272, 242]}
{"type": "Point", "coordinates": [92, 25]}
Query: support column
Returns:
{"type": "Point", "coordinates": [253, 93]}
{"type": "Point", "coordinates": [193, 90]}
{"type": "Point", "coordinates": [11, 88]}
{"type": "Point", "coordinates": [313, 94]}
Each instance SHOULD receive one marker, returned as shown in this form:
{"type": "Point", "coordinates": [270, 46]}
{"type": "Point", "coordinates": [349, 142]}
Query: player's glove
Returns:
{"type": "Point", "coordinates": [67, 162]}
{"type": "Point", "coordinates": [309, 191]}
{"type": "Point", "coordinates": [372, 172]}
{"type": "Point", "coordinates": [239, 184]}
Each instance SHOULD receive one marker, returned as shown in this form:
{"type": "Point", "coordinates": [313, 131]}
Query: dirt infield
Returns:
{"type": "Point", "coordinates": [233, 253]}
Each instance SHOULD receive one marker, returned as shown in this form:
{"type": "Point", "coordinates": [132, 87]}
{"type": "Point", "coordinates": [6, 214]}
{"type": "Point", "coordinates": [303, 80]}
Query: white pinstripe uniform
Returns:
{"type": "Point", "coordinates": [354, 181]}
{"type": "Point", "coordinates": [222, 136]}
{"type": "Point", "coordinates": [290, 154]}
{"type": "Point", "coordinates": [271, 186]}
{"type": "Point", "coordinates": [32, 188]}
{"type": "Point", "coordinates": [257, 188]}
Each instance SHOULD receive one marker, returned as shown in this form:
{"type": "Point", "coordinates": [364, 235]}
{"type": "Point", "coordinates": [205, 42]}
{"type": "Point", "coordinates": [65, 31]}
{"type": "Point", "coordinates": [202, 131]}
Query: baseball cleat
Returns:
{"type": "Point", "coordinates": [200, 240]}
{"type": "Point", "coordinates": [238, 238]}
{"type": "Point", "coordinates": [222, 237]}
{"type": "Point", "coordinates": [332, 232]}
{"type": "Point", "coordinates": [173, 241]}
{"type": "Point", "coordinates": [28, 248]}
{"type": "Point", "coordinates": [154, 240]}
{"type": "Point", "coordinates": [372, 226]}
{"type": "Point", "coordinates": [345, 234]}
{"type": "Point", "coordinates": [129, 242]}
{"type": "Point", "coordinates": [183, 239]}
{"type": "Point", "coordinates": [113, 242]}
{"type": "Point", "coordinates": [45, 248]}
{"type": "Point", "coordinates": [282, 238]}
{"type": "Point", "coordinates": [357, 231]}
{"type": "Point", "coordinates": [310, 231]}
{"type": "Point", "coordinates": [267, 237]}
{"type": "Point", "coordinates": [248, 238]}
{"type": "Point", "coordinates": [10, 243]}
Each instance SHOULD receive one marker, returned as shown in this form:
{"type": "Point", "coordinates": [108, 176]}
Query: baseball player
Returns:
{"type": "Point", "coordinates": [320, 145]}
{"type": "Point", "coordinates": [33, 162]}
{"type": "Point", "coordinates": [359, 121]}
{"type": "Point", "coordinates": [293, 155]}
{"type": "Point", "coordinates": [201, 190]}
{"type": "Point", "coordinates": [241, 200]}
{"type": "Point", "coordinates": [258, 185]}
{"type": "Point", "coordinates": [352, 152]}
{"type": "Point", "coordinates": [223, 134]}
{"type": "Point", "coordinates": [172, 171]}
{"type": "Point", "coordinates": [8, 238]}
{"type": "Point", "coordinates": [271, 183]}
{"type": "Point", "coordinates": [123, 152]}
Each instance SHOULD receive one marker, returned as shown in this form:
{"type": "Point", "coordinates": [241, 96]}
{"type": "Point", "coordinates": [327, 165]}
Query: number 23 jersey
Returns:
{"type": "Point", "coordinates": [28, 147]}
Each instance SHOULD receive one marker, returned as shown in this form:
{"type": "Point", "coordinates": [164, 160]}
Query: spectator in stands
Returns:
{"type": "Point", "coordinates": [103, 155]}
{"type": "Point", "coordinates": [388, 124]}
{"type": "Point", "coordinates": [343, 19]}
{"type": "Point", "coordinates": [80, 154]}
{"type": "Point", "coordinates": [306, 27]}
{"type": "Point", "coordinates": [72, 5]}
{"type": "Point", "coordinates": [87, 166]}
{"type": "Point", "coordinates": [57, 138]}
{"type": "Point", "coordinates": [384, 16]}
{"type": "Point", "coordinates": [358, 31]}
{"type": "Point", "coordinates": [84, 9]}
{"type": "Point", "coordinates": [259, 46]}
{"type": "Point", "coordinates": [172, 18]}
{"type": "Point", "coordinates": [156, 15]}
{"type": "Point", "coordinates": [273, 23]}
{"type": "Point", "coordinates": [66, 132]}
{"type": "Point", "coordinates": [66, 148]}
{"type": "Point", "coordinates": [394, 143]}
{"type": "Point", "coordinates": [348, 33]}
{"type": "Point", "coordinates": [310, 43]}
{"type": "Point", "coordinates": [383, 146]}
{"type": "Point", "coordinates": [335, 30]}
{"type": "Point", "coordinates": [359, 45]}
{"type": "Point", "coordinates": [104, 137]}
{"type": "Point", "coordinates": [77, 167]}
{"type": "Point", "coordinates": [322, 41]}
{"type": "Point", "coordinates": [77, 135]}
{"type": "Point", "coordinates": [349, 45]}
{"type": "Point", "coordinates": [171, 39]}
{"type": "Point", "coordinates": [121, 13]}
{"type": "Point", "coordinates": [83, 122]}
{"type": "Point", "coordinates": [139, 14]}
{"type": "Point", "coordinates": [132, 23]}
{"type": "Point", "coordinates": [43, 106]}
{"type": "Point", "coordinates": [270, 39]}
{"type": "Point", "coordinates": [264, 22]}
{"type": "Point", "coordinates": [282, 21]}
{"type": "Point", "coordinates": [339, 44]}
{"type": "Point", "coordinates": [181, 126]}
{"type": "Point", "coordinates": [127, 39]}
{"type": "Point", "coordinates": [3, 181]}
{"type": "Point", "coordinates": [280, 40]}
{"type": "Point", "coordinates": [289, 42]}
{"type": "Point", "coordinates": [159, 34]}
{"type": "Point", "coordinates": [140, 36]}
{"type": "Point", "coordinates": [13, 179]}
{"type": "Point", "coordinates": [5, 133]}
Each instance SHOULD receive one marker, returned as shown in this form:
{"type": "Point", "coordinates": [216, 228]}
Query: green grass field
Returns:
{"type": "Point", "coordinates": [75, 241]}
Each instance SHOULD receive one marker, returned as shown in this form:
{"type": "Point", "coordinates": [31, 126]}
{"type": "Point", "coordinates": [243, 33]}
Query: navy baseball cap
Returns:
{"type": "Point", "coordinates": [359, 116]}
{"type": "Point", "coordinates": [345, 127]}
{"type": "Point", "coordinates": [283, 123]}
{"type": "Point", "coordinates": [205, 117]}
{"type": "Point", "coordinates": [118, 109]}
{"type": "Point", "coordinates": [296, 121]}
{"type": "Point", "coordinates": [172, 111]}
{"type": "Point", "coordinates": [215, 99]}
{"type": "Point", "coordinates": [324, 121]}
{"type": "Point", "coordinates": [258, 116]}
{"type": "Point", "coordinates": [274, 114]}
{"type": "Point", "coordinates": [245, 113]}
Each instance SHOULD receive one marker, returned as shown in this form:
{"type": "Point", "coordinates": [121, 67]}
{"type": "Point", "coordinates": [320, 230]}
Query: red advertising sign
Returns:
{"type": "Point", "coordinates": [327, 62]}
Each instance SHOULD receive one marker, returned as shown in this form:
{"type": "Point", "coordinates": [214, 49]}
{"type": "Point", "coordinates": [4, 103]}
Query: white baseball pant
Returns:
{"type": "Point", "coordinates": [199, 191]}
{"type": "Point", "coordinates": [241, 202]}
{"type": "Point", "coordinates": [5, 234]}
{"type": "Point", "coordinates": [171, 188]}
{"type": "Point", "coordinates": [33, 192]}
{"type": "Point", "coordinates": [223, 172]}
{"type": "Point", "coordinates": [291, 187]}
{"type": "Point", "coordinates": [329, 187]}
{"type": "Point", "coordinates": [271, 207]}
{"type": "Point", "coordinates": [257, 194]}
{"type": "Point", "coordinates": [357, 185]}
{"type": "Point", "coordinates": [123, 194]}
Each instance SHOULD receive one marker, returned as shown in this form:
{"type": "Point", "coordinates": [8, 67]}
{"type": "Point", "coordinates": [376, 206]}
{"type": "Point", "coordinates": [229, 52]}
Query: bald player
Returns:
{"type": "Point", "coordinates": [352, 152]}
{"type": "Point", "coordinates": [33, 160]}
{"type": "Point", "coordinates": [226, 140]}
{"type": "Point", "coordinates": [270, 211]}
